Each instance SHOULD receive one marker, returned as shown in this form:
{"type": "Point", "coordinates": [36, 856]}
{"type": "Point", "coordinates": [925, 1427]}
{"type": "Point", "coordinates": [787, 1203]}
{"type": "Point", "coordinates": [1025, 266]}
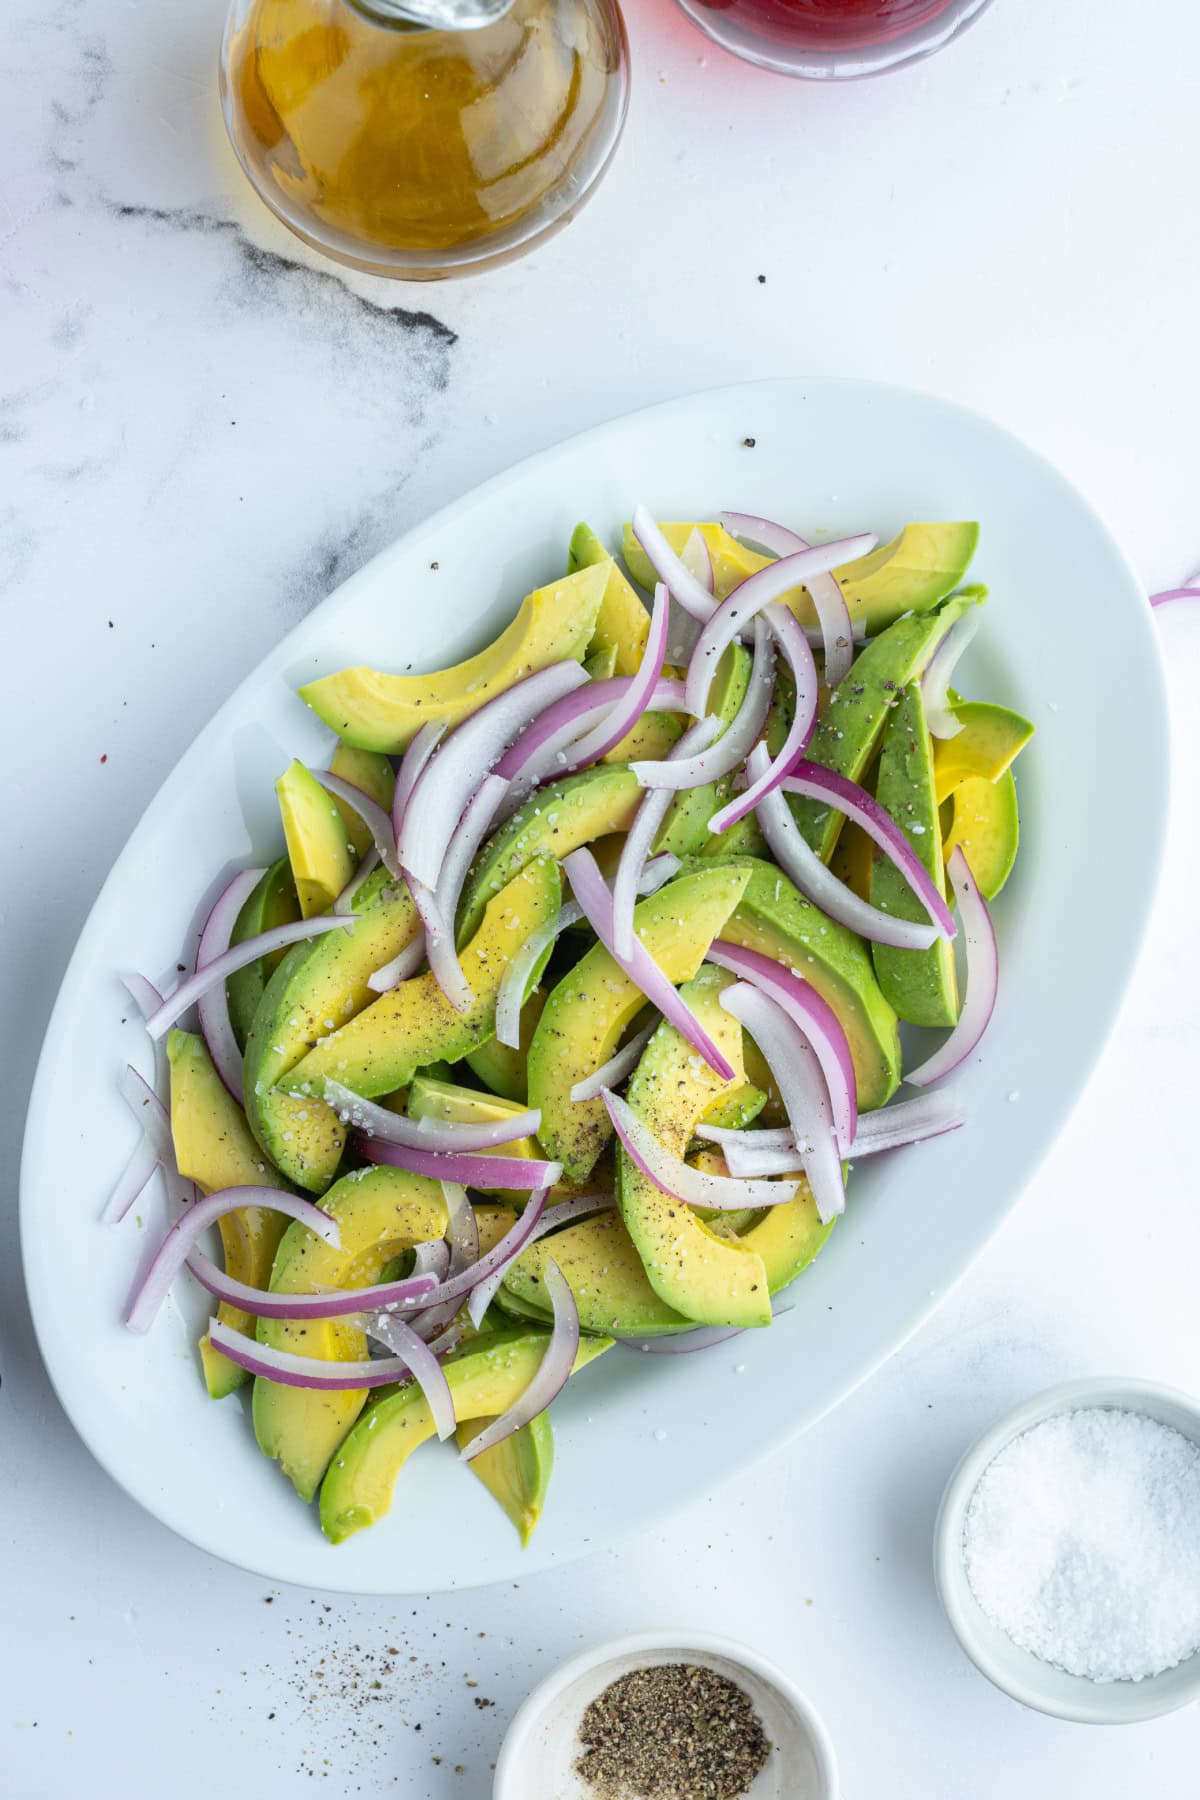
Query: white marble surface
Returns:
{"type": "Point", "coordinates": [201, 431]}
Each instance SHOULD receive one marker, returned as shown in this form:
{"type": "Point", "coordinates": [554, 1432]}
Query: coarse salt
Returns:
{"type": "Point", "coordinates": [1082, 1543]}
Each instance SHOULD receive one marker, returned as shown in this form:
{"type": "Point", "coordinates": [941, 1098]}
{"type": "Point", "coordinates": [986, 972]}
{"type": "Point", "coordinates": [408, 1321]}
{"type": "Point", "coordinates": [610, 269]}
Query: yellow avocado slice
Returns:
{"type": "Point", "coordinates": [215, 1148]}
{"type": "Point", "coordinates": [622, 623]}
{"type": "Point", "coordinates": [375, 711]}
{"type": "Point", "coordinates": [595, 1003]}
{"type": "Point", "coordinates": [446, 1101]}
{"type": "Point", "coordinates": [486, 1377]}
{"type": "Point", "coordinates": [272, 903]}
{"type": "Point", "coordinates": [984, 820]}
{"type": "Point", "coordinates": [605, 1274]}
{"type": "Point", "coordinates": [516, 1471]}
{"type": "Point", "coordinates": [990, 739]}
{"type": "Point", "coordinates": [373, 773]}
{"type": "Point", "coordinates": [415, 1024]}
{"type": "Point", "coordinates": [502, 1069]}
{"type": "Point", "coordinates": [318, 844]}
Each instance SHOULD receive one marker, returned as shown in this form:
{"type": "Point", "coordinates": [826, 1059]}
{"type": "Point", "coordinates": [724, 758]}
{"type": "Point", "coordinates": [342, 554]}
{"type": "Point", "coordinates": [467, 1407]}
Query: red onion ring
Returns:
{"type": "Point", "coordinates": [376, 818]}
{"type": "Point", "coordinates": [248, 951]}
{"type": "Point", "coordinates": [983, 977]}
{"type": "Point", "coordinates": [517, 1172]}
{"type": "Point", "coordinates": [731, 746]}
{"type": "Point", "coordinates": [143, 993]}
{"type": "Point", "coordinates": [337, 1303]}
{"type": "Point", "coordinates": [588, 886]}
{"type": "Point", "coordinates": [405, 963]}
{"type": "Point", "coordinates": [612, 1073]}
{"type": "Point", "coordinates": [451, 1135]}
{"type": "Point", "coordinates": [640, 837]}
{"type": "Point", "coordinates": [150, 1291]}
{"type": "Point", "coordinates": [462, 1232]}
{"type": "Point", "coordinates": [548, 749]}
{"type": "Point", "coordinates": [438, 909]}
{"type": "Point", "coordinates": [791, 639]}
{"type": "Point", "coordinates": [510, 995]}
{"type": "Point", "coordinates": [891, 1128]}
{"type": "Point", "coordinates": [625, 715]}
{"type": "Point", "coordinates": [940, 716]}
{"type": "Point", "coordinates": [213, 1006]}
{"type": "Point", "coordinates": [552, 1374]}
{"type": "Point", "coordinates": [1190, 592]}
{"type": "Point", "coordinates": [412, 767]}
{"type": "Point", "coordinates": [829, 603]}
{"type": "Point", "coordinates": [695, 1187]}
{"type": "Point", "coordinates": [408, 1348]}
{"type": "Point", "coordinates": [289, 1370]}
{"type": "Point", "coordinates": [798, 1074]}
{"type": "Point", "coordinates": [697, 560]}
{"type": "Point", "coordinates": [681, 583]}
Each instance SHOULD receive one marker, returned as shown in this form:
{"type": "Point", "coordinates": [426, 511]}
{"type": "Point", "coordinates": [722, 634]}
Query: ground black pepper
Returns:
{"type": "Point", "coordinates": [676, 1731]}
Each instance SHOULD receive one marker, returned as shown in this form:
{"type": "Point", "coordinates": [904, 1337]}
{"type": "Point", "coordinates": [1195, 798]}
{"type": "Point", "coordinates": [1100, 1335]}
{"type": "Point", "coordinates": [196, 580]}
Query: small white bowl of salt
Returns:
{"type": "Point", "coordinates": [1067, 1552]}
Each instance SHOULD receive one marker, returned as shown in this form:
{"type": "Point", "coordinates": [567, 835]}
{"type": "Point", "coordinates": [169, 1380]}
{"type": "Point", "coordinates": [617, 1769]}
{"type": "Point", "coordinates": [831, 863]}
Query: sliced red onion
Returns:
{"type": "Point", "coordinates": [749, 597]}
{"type": "Point", "coordinates": [510, 995]}
{"type": "Point", "coordinates": [438, 941]}
{"type": "Point", "coordinates": [518, 1172]}
{"type": "Point", "coordinates": [462, 1232]}
{"type": "Point", "coordinates": [683, 586]}
{"type": "Point", "coordinates": [499, 1256]}
{"type": "Point", "coordinates": [547, 748]}
{"type": "Point", "coordinates": [1190, 592]}
{"type": "Point", "coordinates": [143, 993]}
{"type": "Point", "coordinates": [612, 1073]}
{"type": "Point", "coordinates": [697, 560]}
{"type": "Point", "coordinates": [891, 1128]}
{"type": "Point", "coordinates": [801, 1082]}
{"type": "Point", "coordinates": [412, 767]}
{"type": "Point", "coordinates": [552, 1374]}
{"type": "Point", "coordinates": [815, 1018]}
{"type": "Point", "coordinates": [829, 603]}
{"type": "Point", "coordinates": [940, 716]}
{"type": "Point", "coordinates": [785, 629]}
{"type": "Point", "coordinates": [156, 1150]}
{"type": "Point", "coordinates": [405, 963]}
{"type": "Point", "coordinates": [289, 1370]}
{"type": "Point", "coordinates": [799, 861]}
{"type": "Point", "coordinates": [817, 783]}
{"type": "Point", "coordinates": [982, 977]}
{"type": "Point", "coordinates": [184, 1235]}
{"type": "Point", "coordinates": [454, 772]}
{"type": "Point", "coordinates": [376, 818]}
{"type": "Point", "coordinates": [136, 1178]}
{"type": "Point", "coordinates": [213, 1006]}
{"type": "Point", "coordinates": [345, 900]}
{"type": "Point", "coordinates": [438, 909]}
{"type": "Point", "coordinates": [624, 716]}
{"type": "Point", "coordinates": [432, 1258]}
{"type": "Point", "coordinates": [334, 1303]}
{"type": "Point", "coordinates": [452, 1135]}
{"type": "Point", "coordinates": [248, 951]}
{"type": "Point", "coordinates": [647, 822]}
{"type": "Point", "coordinates": [565, 1213]}
{"type": "Point", "coordinates": [694, 1187]}
{"type": "Point", "coordinates": [588, 886]}
{"type": "Point", "coordinates": [149, 1112]}
{"type": "Point", "coordinates": [657, 872]}
{"type": "Point", "coordinates": [734, 744]}
{"type": "Point", "coordinates": [408, 1348]}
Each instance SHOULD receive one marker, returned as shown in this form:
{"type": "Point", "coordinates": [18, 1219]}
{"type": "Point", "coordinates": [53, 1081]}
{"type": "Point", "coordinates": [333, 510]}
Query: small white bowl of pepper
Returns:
{"type": "Point", "coordinates": [667, 1716]}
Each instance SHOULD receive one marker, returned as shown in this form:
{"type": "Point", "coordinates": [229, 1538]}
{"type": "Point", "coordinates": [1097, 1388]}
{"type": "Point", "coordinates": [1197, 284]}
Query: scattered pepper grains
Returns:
{"type": "Point", "coordinates": [675, 1731]}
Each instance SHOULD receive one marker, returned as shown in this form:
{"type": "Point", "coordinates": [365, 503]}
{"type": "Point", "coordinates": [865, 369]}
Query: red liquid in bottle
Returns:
{"type": "Point", "coordinates": [829, 24]}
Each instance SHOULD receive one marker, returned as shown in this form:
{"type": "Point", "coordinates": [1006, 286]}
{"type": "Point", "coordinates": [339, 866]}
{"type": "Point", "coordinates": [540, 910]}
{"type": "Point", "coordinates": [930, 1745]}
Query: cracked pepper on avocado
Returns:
{"type": "Point", "coordinates": [577, 993]}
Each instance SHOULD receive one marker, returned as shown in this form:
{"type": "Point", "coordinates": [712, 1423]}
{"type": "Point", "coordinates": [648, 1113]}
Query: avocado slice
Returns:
{"type": "Point", "coordinates": [375, 711]}
{"type": "Point", "coordinates": [853, 859]}
{"type": "Point", "coordinates": [919, 567]}
{"type": "Point", "coordinates": [554, 821]}
{"type": "Point", "coordinates": [380, 1212]}
{"type": "Point", "coordinates": [685, 829]}
{"type": "Point", "coordinates": [985, 821]}
{"type": "Point", "coordinates": [594, 1004]}
{"type": "Point", "coordinates": [849, 731]}
{"type": "Point", "coordinates": [601, 665]}
{"type": "Point", "coordinates": [374, 774]}
{"type": "Point", "coordinates": [622, 623]}
{"type": "Point", "coordinates": [502, 1069]}
{"type": "Point", "coordinates": [382, 1048]}
{"type": "Point", "coordinates": [315, 987]}
{"type": "Point", "coordinates": [605, 1274]}
{"type": "Point", "coordinates": [743, 839]}
{"type": "Point", "coordinates": [986, 746]}
{"type": "Point", "coordinates": [486, 1377]}
{"type": "Point", "coordinates": [318, 844]}
{"type": "Point", "coordinates": [921, 984]}
{"type": "Point", "coordinates": [215, 1148]}
{"type": "Point", "coordinates": [711, 1279]}
{"type": "Point", "coordinates": [516, 1471]}
{"type": "Point", "coordinates": [445, 1100]}
{"type": "Point", "coordinates": [273, 902]}
{"type": "Point", "coordinates": [775, 918]}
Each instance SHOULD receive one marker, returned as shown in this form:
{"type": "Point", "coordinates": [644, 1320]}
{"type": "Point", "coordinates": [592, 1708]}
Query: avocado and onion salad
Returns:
{"type": "Point", "coordinates": [401, 1108]}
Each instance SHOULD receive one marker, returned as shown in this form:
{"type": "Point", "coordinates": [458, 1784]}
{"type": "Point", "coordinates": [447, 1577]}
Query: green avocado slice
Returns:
{"type": "Point", "coordinates": [852, 725]}
{"type": "Point", "coordinates": [502, 1069]}
{"type": "Point", "coordinates": [381, 1049]}
{"type": "Point", "coordinates": [318, 844]}
{"type": "Point", "coordinates": [486, 1377]}
{"type": "Point", "coordinates": [380, 1212]}
{"type": "Point", "coordinates": [990, 738]}
{"type": "Point", "coordinates": [774, 918]}
{"type": "Point", "coordinates": [273, 902]}
{"type": "Point", "coordinates": [371, 771]}
{"type": "Point", "coordinates": [554, 821]}
{"type": "Point", "coordinates": [605, 1274]}
{"type": "Point", "coordinates": [595, 1003]}
{"type": "Point", "coordinates": [921, 984]}
{"type": "Point", "coordinates": [985, 821]}
{"type": "Point", "coordinates": [711, 1279]}
{"type": "Point", "coordinates": [316, 987]}
{"type": "Point", "coordinates": [685, 829]}
{"type": "Point", "coordinates": [622, 623]}
{"type": "Point", "coordinates": [516, 1471]}
{"type": "Point", "coordinates": [913, 572]}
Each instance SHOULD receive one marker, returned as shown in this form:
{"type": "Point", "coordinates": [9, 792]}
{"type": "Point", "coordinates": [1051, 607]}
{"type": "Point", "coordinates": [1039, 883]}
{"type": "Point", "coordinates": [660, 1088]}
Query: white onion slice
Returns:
{"type": "Point", "coordinates": [983, 976]}
{"type": "Point", "coordinates": [248, 951]}
{"type": "Point", "coordinates": [731, 746]}
{"type": "Point", "coordinates": [406, 962]}
{"type": "Point", "coordinates": [786, 631]}
{"type": "Point", "coordinates": [562, 1347]}
{"type": "Point", "coordinates": [454, 772]}
{"type": "Point", "coordinates": [624, 716]}
{"type": "Point", "coordinates": [940, 716]}
{"type": "Point", "coordinates": [647, 823]}
{"type": "Point", "coordinates": [612, 1073]}
{"type": "Point", "coordinates": [438, 937]}
{"type": "Point", "coordinates": [143, 993]}
{"type": "Point", "coordinates": [412, 1292]}
{"type": "Point", "coordinates": [798, 860]}
{"type": "Point", "coordinates": [367, 867]}
{"type": "Point", "coordinates": [895, 1127]}
{"type": "Point", "coordinates": [510, 995]}
{"type": "Point", "coordinates": [289, 1370]}
{"type": "Point", "coordinates": [695, 1187]}
{"type": "Point", "coordinates": [213, 1006]}
{"type": "Point", "coordinates": [412, 767]}
{"type": "Point", "coordinates": [802, 1088]}
{"type": "Point", "coordinates": [181, 1240]}
{"type": "Point", "coordinates": [407, 1347]}
{"type": "Point", "coordinates": [426, 1134]}
{"type": "Point", "coordinates": [683, 586]}
{"type": "Point", "coordinates": [829, 603]}
{"type": "Point", "coordinates": [564, 1213]}
{"type": "Point", "coordinates": [376, 818]}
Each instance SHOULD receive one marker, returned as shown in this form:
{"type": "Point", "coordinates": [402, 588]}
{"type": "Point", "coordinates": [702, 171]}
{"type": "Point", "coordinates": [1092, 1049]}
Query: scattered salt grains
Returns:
{"type": "Point", "coordinates": [1082, 1543]}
